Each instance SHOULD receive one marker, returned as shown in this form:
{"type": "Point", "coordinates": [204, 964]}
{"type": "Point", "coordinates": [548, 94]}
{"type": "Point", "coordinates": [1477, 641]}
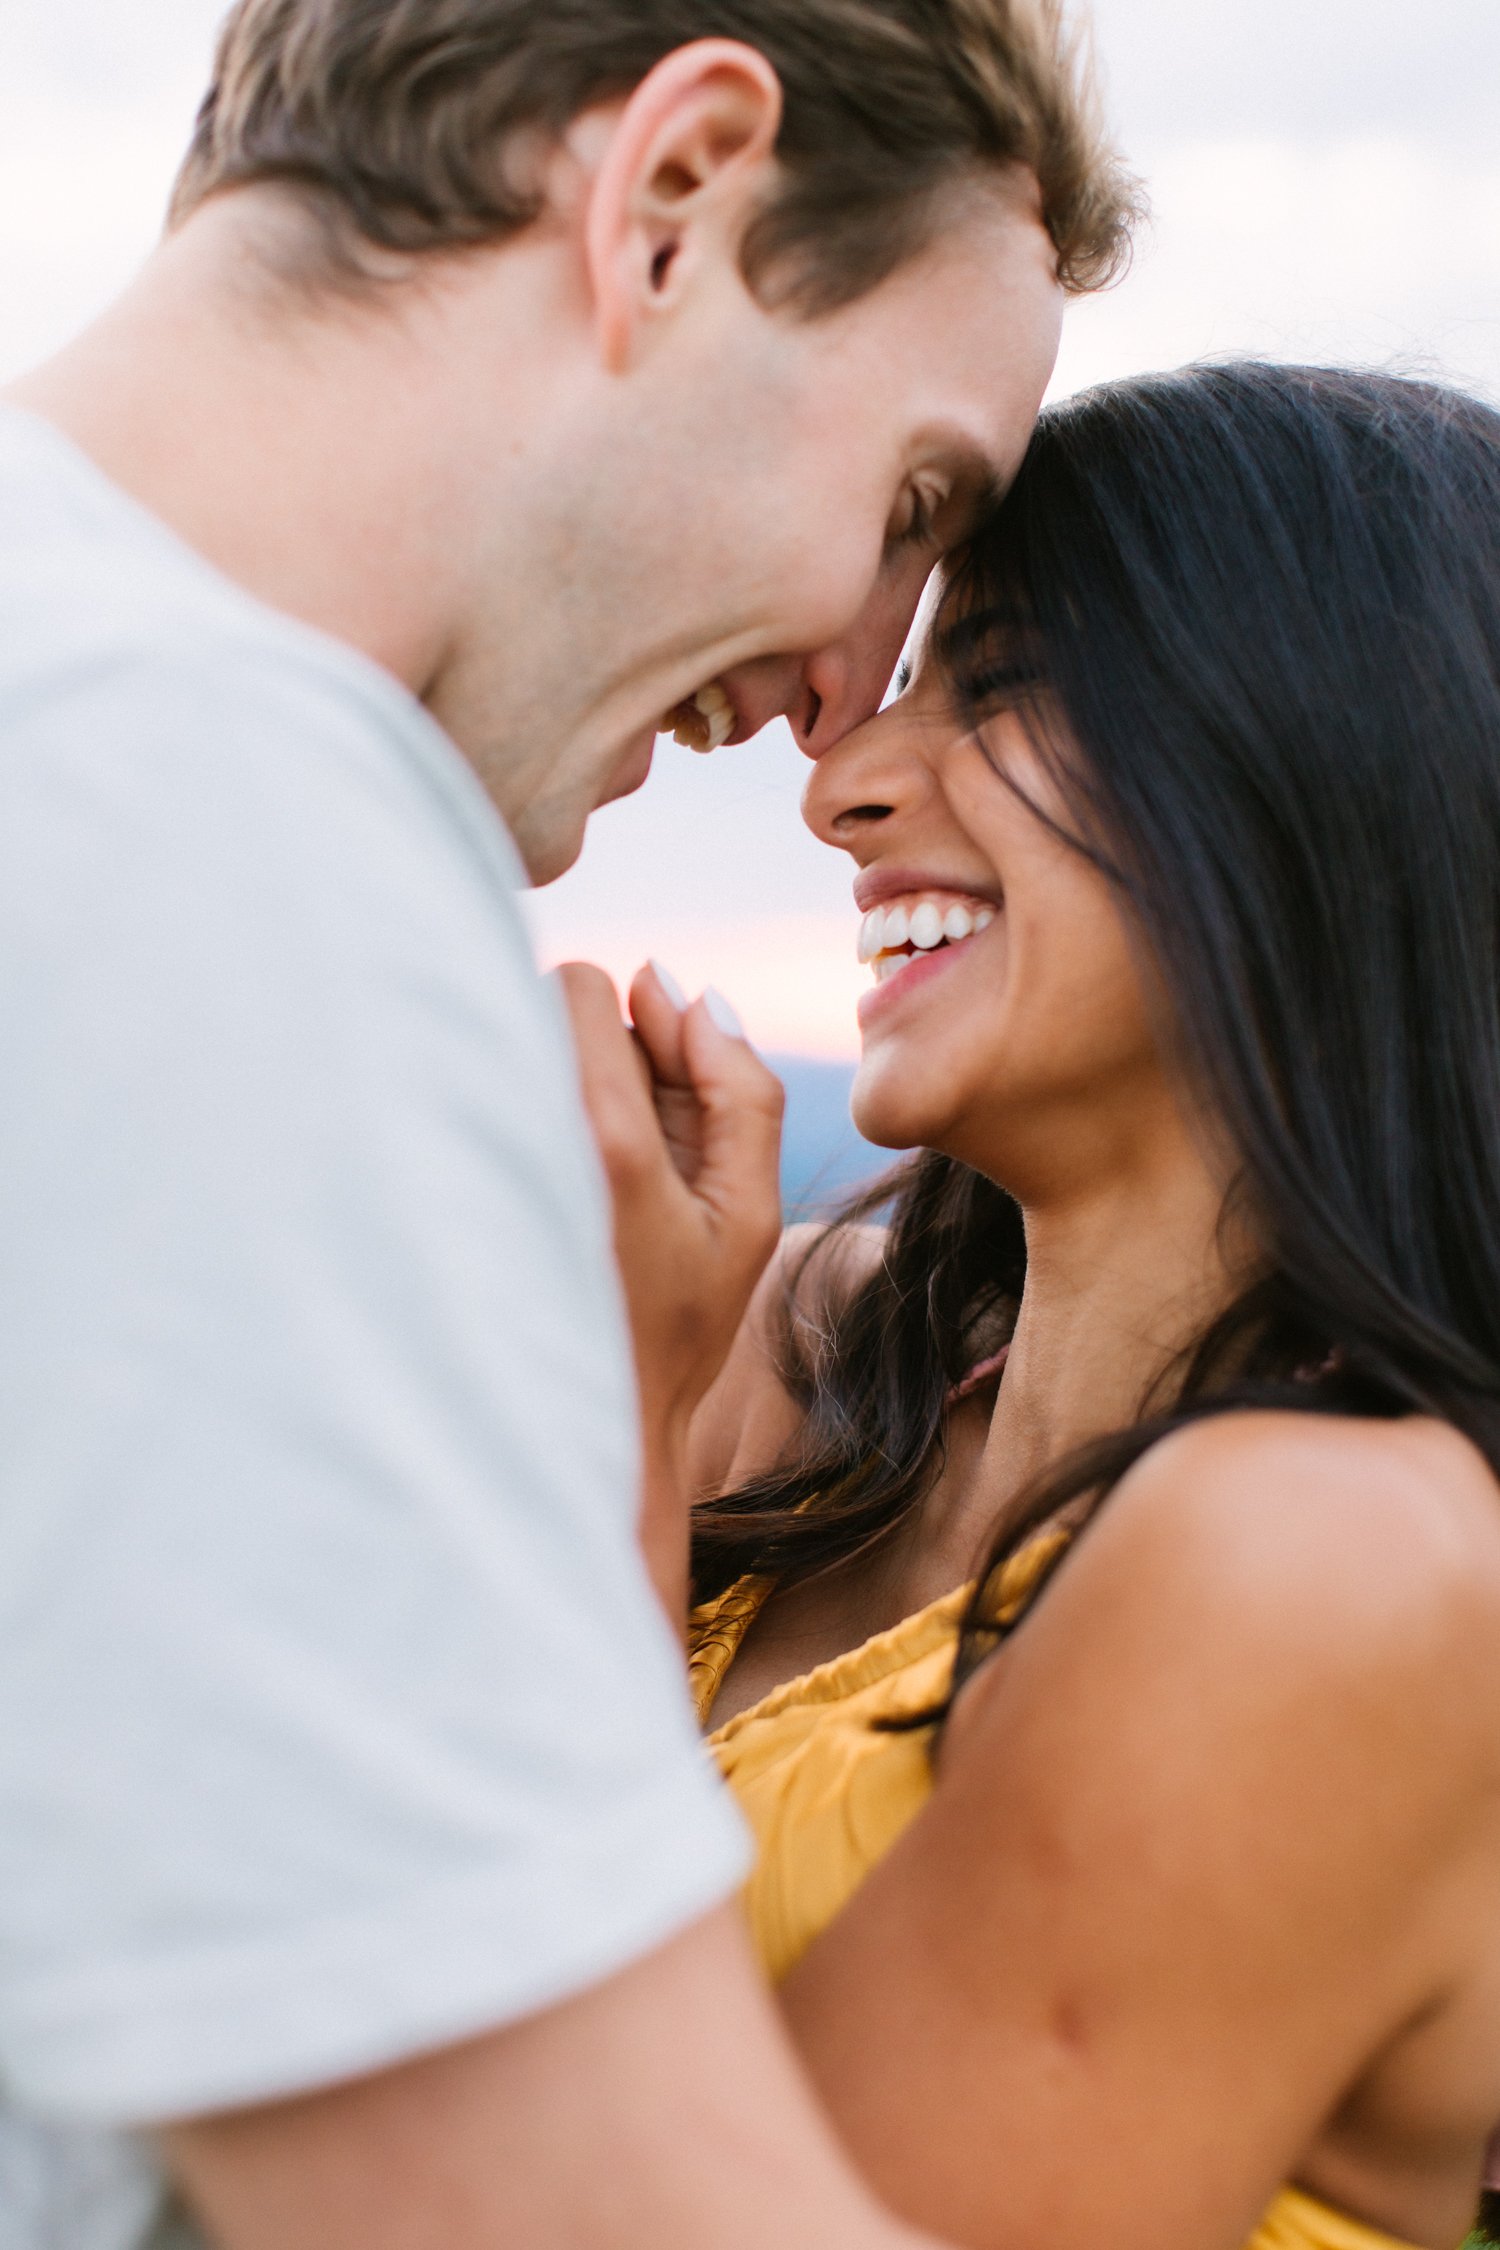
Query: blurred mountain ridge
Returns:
{"type": "Point", "coordinates": [823, 1158]}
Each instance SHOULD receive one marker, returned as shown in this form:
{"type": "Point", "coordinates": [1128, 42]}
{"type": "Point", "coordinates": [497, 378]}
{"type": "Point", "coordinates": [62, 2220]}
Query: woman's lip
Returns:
{"type": "Point", "coordinates": [877, 884]}
{"type": "Point", "coordinates": [919, 970]}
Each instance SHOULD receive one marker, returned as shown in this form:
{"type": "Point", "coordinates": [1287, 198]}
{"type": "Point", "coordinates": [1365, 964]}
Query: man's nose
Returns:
{"type": "Point", "coordinates": [844, 685]}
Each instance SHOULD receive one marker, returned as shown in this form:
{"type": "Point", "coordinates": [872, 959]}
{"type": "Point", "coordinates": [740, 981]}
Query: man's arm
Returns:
{"type": "Point", "coordinates": [664, 2105]}
{"type": "Point", "coordinates": [661, 2109]}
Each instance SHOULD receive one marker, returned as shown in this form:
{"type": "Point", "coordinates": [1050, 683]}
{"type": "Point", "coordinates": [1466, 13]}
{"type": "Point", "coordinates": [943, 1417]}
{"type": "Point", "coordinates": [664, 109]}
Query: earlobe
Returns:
{"type": "Point", "coordinates": [676, 183]}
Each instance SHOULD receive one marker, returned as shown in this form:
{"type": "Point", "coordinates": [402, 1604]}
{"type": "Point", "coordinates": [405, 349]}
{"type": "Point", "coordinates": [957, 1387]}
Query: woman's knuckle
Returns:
{"type": "Point", "coordinates": [767, 1097]}
{"type": "Point", "coordinates": [621, 1146]}
{"type": "Point", "coordinates": [761, 1226]}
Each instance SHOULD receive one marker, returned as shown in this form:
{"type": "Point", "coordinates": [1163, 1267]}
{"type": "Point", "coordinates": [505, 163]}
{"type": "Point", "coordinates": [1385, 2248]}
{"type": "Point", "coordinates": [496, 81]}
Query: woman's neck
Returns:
{"type": "Point", "coordinates": [1123, 1275]}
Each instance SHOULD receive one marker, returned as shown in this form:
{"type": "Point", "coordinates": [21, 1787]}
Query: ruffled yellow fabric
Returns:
{"type": "Point", "coordinates": [827, 1794]}
{"type": "Point", "coordinates": [1299, 2222]}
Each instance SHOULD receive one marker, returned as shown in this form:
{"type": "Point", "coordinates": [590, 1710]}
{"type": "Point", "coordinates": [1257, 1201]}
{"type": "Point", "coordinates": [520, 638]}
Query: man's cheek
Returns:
{"type": "Point", "coordinates": [632, 772]}
{"type": "Point", "coordinates": [842, 593]}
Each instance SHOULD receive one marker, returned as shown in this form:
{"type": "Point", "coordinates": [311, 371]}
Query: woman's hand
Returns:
{"type": "Point", "coordinates": [688, 1123]}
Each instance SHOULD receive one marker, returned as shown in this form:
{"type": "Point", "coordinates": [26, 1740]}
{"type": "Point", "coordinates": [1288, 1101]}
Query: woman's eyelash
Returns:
{"type": "Point", "coordinates": [1000, 684]}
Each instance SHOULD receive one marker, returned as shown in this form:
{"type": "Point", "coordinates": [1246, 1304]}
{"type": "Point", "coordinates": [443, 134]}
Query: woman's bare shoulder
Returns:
{"type": "Point", "coordinates": [1401, 1512]}
{"type": "Point", "coordinates": [1221, 1814]}
{"type": "Point", "coordinates": [750, 1417]}
{"type": "Point", "coordinates": [1346, 1559]}
{"type": "Point", "coordinates": [1275, 1640]}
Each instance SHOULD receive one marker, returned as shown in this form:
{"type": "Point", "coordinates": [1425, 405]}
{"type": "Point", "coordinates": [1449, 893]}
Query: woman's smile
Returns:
{"type": "Point", "coordinates": [1015, 1065]}
{"type": "Point", "coordinates": [916, 924]}
{"type": "Point", "coordinates": [918, 936]}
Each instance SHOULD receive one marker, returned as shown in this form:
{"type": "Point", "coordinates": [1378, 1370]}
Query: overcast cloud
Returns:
{"type": "Point", "coordinates": [1326, 181]}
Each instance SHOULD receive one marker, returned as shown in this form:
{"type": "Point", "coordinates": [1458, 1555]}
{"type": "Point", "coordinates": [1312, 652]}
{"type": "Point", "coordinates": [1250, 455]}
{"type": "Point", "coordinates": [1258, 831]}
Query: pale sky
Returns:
{"type": "Point", "coordinates": [1326, 183]}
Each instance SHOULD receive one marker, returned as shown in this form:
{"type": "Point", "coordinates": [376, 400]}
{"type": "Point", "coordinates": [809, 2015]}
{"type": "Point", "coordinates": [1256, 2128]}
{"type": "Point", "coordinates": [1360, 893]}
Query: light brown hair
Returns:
{"type": "Point", "coordinates": [402, 121]}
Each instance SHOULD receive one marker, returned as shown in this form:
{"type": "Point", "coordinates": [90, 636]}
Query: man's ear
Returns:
{"type": "Point", "coordinates": [678, 179]}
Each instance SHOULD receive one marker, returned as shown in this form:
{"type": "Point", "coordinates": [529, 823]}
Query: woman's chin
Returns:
{"type": "Point", "coordinates": [889, 1114]}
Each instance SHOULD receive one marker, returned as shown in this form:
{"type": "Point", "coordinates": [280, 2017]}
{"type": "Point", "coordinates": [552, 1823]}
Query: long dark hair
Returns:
{"type": "Point", "coordinates": [1264, 603]}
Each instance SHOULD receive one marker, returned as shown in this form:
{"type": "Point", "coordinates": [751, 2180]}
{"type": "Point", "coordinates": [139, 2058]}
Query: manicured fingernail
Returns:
{"type": "Point", "coordinates": [670, 986]}
{"type": "Point", "coordinates": [723, 1014]}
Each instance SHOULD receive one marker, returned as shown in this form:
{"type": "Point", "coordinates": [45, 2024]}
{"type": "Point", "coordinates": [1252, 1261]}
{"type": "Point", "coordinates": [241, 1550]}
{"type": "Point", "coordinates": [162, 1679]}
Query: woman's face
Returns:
{"type": "Point", "coordinates": [1008, 1021]}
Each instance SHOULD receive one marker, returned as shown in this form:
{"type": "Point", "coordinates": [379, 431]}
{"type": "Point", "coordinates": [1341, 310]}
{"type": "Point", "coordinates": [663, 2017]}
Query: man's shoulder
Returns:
{"type": "Point", "coordinates": [137, 672]}
{"type": "Point", "coordinates": [105, 604]}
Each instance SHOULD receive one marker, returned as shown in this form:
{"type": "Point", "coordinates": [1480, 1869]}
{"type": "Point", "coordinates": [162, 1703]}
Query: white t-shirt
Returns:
{"type": "Point", "coordinates": [337, 1721]}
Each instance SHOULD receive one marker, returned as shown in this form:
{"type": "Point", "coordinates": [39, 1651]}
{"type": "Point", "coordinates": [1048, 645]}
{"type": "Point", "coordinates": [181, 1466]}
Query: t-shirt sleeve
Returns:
{"type": "Point", "coordinates": [339, 1720]}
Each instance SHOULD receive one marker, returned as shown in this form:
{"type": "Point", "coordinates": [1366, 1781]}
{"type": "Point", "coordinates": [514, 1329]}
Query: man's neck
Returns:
{"type": "Point", "coordinates": [301, 450]}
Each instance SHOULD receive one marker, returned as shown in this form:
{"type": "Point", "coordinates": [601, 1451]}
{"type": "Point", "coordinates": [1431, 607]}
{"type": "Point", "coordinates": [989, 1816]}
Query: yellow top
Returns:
{"type": "Point", "coordinates": [827, 1796]}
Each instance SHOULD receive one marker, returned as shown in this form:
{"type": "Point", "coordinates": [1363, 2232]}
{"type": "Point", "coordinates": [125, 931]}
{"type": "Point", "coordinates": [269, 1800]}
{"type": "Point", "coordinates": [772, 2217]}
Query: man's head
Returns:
{"type": "Point", "coordinates": [785, 276]}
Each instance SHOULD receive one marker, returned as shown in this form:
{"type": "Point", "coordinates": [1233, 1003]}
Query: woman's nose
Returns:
{"type": "Point", "coordinates": [870, 779]}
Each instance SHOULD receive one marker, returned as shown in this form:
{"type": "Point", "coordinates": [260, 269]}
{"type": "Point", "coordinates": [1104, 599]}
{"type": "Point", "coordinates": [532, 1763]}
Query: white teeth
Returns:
{"type": "Point", "coordinates": [926, 926]}
{"type": "Point", "coordinates": [888, 966]}
{"type": "Point", "coordinates": [705, 722]}
{"type": "Point", "coordinates": [718, 711]}
{"type": "Point", "coordinates": [924, 923]}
